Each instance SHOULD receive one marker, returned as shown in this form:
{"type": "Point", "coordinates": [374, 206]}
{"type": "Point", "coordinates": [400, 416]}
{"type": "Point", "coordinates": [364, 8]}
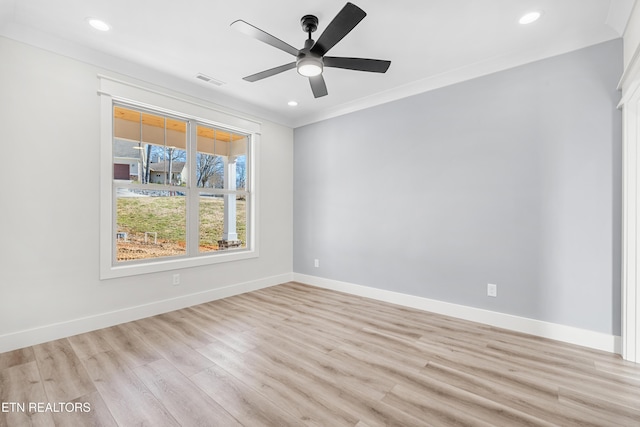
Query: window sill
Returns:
{"type": "Point", "coordinates": [133, 269]}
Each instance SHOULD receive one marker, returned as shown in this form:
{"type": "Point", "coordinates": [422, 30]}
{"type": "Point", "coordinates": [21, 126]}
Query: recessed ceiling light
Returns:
{"type": "Point", "coordinates": [292, 104]}
{"type": "Point", "coordinates": [530, 17]}
{"type": "Point", "coordinates": [98, 24]}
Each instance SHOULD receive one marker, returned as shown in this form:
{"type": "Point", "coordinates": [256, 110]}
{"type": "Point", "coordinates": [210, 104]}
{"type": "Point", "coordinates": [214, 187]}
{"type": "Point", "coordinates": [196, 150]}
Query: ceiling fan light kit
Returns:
{"type": "Point", "coordinates": [309, 66]}
{"type": "Point", "coordinates": [311, 59]}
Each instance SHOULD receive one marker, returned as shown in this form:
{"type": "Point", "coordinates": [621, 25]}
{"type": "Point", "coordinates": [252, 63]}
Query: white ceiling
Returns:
{"type": "Point", "coordinates": [431, 43]}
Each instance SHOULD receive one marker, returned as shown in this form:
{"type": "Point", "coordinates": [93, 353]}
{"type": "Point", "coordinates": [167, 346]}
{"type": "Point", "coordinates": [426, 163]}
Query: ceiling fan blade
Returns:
{"type": "Point", "coordinates": [257, 33]}
{"type": "Point", "coordinates": [359, 64]}
{"type": "Point", "coordinates": [318, 87]}
{"type": "Point", "coordinates": [342, 24]}
{"type": "Point", "coordinates": [270, 72]}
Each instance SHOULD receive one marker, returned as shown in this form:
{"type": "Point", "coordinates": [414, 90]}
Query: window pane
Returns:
{"type": "Point", "coordinates": [128, 161]}
{"type": "Point", "coordinates": [168, 166]}
{"type": "Point", "coordinates": [217, 150]}
{"type": "Point", "coordinates": [148, 148]}
{"type": "Point", "coordinates": [241, 172]}
{"type": "Point", "coordinates": [213, 233]}
{"type": "Point", "coordinates": [209, 165]}
{"type": "Point", "coordinates": [210, 171]}
{"type": "Point", "coordinates": [241, 220]}
{"type": "Point", "coordinates": [150, 224]}
{"type": "Point", "coordinates": [211, 221]}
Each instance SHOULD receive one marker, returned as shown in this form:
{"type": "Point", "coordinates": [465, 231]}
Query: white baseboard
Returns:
{"type": "Point", "coordinates": [554, 331]}
{"type": "Point", "coordinates": [569, 334]}
{"type": "Point", "coordinates": [69, 328]}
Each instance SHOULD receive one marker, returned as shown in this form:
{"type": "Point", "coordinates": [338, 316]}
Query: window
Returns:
{"type": "Point", "coordinates": [180, 189]}
{"type": "Point", "coordinates": [153, 199]}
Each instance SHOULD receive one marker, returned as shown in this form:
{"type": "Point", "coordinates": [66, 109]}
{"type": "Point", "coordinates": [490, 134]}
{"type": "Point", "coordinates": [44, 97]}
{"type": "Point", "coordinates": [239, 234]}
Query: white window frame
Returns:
{"type": "Point", "coordinates": [117, 91]}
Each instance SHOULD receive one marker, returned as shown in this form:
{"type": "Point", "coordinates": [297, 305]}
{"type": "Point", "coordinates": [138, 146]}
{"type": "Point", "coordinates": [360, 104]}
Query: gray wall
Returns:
{"type": "Point", "coordinates": [513, 178]}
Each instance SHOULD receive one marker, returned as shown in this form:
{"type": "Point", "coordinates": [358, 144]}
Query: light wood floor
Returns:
{"type": "Point", "coordinates": [298, 355]}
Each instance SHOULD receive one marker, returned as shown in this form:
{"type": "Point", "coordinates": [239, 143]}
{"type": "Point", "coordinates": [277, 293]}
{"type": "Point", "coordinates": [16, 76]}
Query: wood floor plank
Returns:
{"type": "Point", "coordinates": [625, 413]}
{"type": "Point", "coordinates": [245, 404]}
{"type": "Point", "coordinates": [436, 413]}
{"type": "Point", "coordinates": [88, 344]}
{"type": "Point", "coordinates": [263, 305]}
{"type": "Point", "coordinates": [19, 386]}
{"type": "Point", "coordinates": [536, 343]}
{"type": "Point", "coordinates": [618, 368]}
{"type": "Point", "coordinates": [583, 365]}
{"type": "Point", "coordinates": [542, 407]}
{"type": "Point", "coordinates": [129, 345]}
{"type": "Point", "coordinates": [278, 386]}
{"type": "Point", "coordinates": [540, 385]}
{"type": "Point", "coordinates": [183, 357]}
{"type": "Point", "coordinates": [63, 375]}
{"type": "Point", "coordinates": [281, 296]}
{"type": "Point", "coordinates": [349, 397]}
{"type": "Point", "coordinates": [289, 293]}
{"type": "Point", "coordinates": [390, 324]}
{"type": "Point", "coordinates": [524, 371]}
{"type": "Point", "coordinates": [336, 371]}
{"type": "Point", "coordinates": [322, 321]}
{"type": "Point", "coordinates": [178, 325]}
{"type": "Point", "coordinates": [479, 407]}
{"type": "Point", "coordinates": [220, 322]}
{"type": "Point", "coordinates": [201, 323]}
{"type": "Point", "coordinates": [544, 346]}
{"type": "Point", "coordinates": [400, 349]}
{"type": "Point", "coordinates": [16, 357]}
{"type": "Point", "coordinates": [481, 368]}
{"type": "Point", "coordinates": [624, 389]}
{"type": "Point", "coordinates": [128, 399]}
{"type": "Point", "coordinates": [318, 339]}
{"type": "Point", "coordinates": [97, 415]}
{"type": "Point", "coordinates": [379, 364]}
{"type": "Point", "coordinates": [188, 404]}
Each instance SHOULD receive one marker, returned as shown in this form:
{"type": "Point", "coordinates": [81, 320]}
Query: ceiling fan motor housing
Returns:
{"type": "Point", "coordinates": [309, 24]}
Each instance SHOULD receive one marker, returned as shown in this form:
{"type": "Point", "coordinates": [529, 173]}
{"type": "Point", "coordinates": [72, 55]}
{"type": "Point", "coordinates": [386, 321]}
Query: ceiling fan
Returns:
{"type": "Point", "coordinates": [311, 59]}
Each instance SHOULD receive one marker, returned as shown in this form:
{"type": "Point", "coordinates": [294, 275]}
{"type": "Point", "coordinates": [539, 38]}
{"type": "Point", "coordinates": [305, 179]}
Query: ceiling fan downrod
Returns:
{"type": "Point", "coordinates": [309, 24]}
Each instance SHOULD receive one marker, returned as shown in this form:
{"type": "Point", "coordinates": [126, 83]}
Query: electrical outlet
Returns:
{"type": "Point", "coordinates": [176, 279]}
{"type": "Point", "coordinates": [316, 263]}
{"type": "Point", "coordinates": [492, 290]}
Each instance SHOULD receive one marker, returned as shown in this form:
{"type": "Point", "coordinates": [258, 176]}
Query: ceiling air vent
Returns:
{"type": "Point", "coordinates": [208, 79]}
